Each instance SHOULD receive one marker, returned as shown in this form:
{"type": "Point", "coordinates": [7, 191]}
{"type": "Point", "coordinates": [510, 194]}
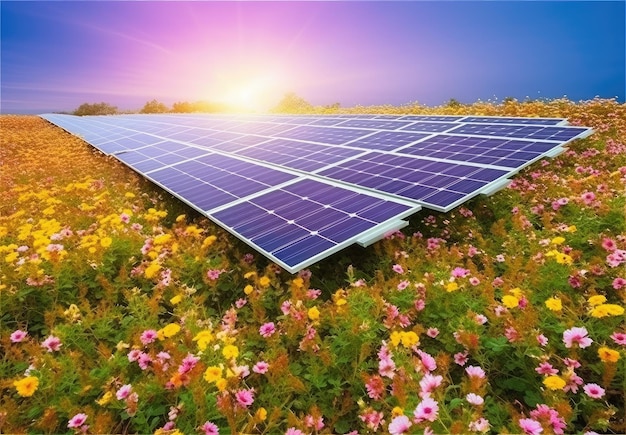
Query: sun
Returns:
{"type": "Point", "coordinates": [251, 90]}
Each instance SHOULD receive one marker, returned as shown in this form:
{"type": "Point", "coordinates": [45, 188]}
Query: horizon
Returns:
{"type": "Point", "coordinates": [59, 55]}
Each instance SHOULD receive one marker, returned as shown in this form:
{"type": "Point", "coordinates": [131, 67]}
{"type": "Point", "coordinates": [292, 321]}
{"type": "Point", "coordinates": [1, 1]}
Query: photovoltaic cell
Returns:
{"type": "Point", "coordinates": [301, 187]}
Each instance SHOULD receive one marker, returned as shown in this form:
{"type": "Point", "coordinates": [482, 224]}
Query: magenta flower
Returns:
{"type": "Point", "coordinates": [372, 419]}
{"type": "Point", "coordinates": [459, 272]}
{"type": "Point", "coordinates": [144, 360]}
{"type": "Point", "coordinates": [619, 283]}
{"type": "Point", "coordinates": [460, 358]}
{"type": "Point", "coordinates": [432, 332]}
{"type": "Point", "coordinates": [475, 372]}
{"type": "Point", "coordinates": [399, 425]}
{"type": "Point", "coordinates": [428, 384]}
{"type": "Point", "coordinates": [134, 355]}
{"type": "Point", "coordinates": [261, 367]}
{"type": "Point", "coordinates": [397, 268]}
{"type": "Point", "coordinates": [124, 392]}
{"type": "Point", "coordinates": [18, 336]}
{"type": "Point", "coordinates": [530, 426]}
{"type": "Point", "coordinates": [609, 244]}
{"type": "Point", "coordinates": [428, 362]}
{"type": "Point", "coordinates": [294, 431]}
{"type": "Point", "coordinates": [52, 344]}
{"type": "Point", "coordinates": [210, 428]}
{"type": "Point", "coordinates": [542, 340]}
{"type": "Point", "coordinates": [375, 387]}
{"type": "Point", "coordinates": [77, 421]}
{"type": "Point", "coordinates": [480, 425]}
{"type": "Point", "coordinates": [267, 329]}
{"type": "Point", "coordinates": [427, 409]}
{"type": "Point", "coordinates": [245, 398]}
{"type": "Point", "coordinates": [316, 423]}
{"type": "Point", "coordinates": [188, 363]}
{"type": "Point", "coordinates": [148, 336]}
{"type": "Point", "coordinates": [545, 368]}
{"type": "Point", "coordinates": [213, 274]}
{"type": "Point", "coordinates": [577, 335]}
{"type": "Point", "coordinates": [619, 338]}
{"type": "Point", "coordinates": [594, 391]}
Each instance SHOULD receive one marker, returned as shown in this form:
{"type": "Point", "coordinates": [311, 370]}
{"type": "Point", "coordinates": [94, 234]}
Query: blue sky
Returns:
{"type": "Point", "coordinates": [58, 55]}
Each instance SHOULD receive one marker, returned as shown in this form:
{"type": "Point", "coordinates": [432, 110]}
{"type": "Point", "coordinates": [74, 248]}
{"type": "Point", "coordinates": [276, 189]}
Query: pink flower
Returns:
{"type": "Point", "coordinates": [542, 340]}
{"type": "Point", "coordinates": [188, 363]}
{"type": "Point", "coordinates": [124, 392]}
{"type": "Point", "coordinates": [267, 329]}
{"type": "Point", "coordinates": [148, 336]}
{"type": "Point", "coordinates": [475, 372]}
{"type": "Point", "coordinates": [144, 360]}
{"type": "Point", "coordinates": [397, 268]}
{"type": "Point", "coordinates": [432, 332]}
{"type": "Point", "coordinates": [474, 399]}
{"type": "Point", "coordinates": [386, 367]}
{"type": "Point", "coordinates": [459, 272]}
{"type": "Point", "coordinates": [474, 281]}
{"type": "Point", "coordinates": [213, 274]}
{"type": "Point", "coordinates": [460, 358]}
{"type": "Point", "coordinates": [619, 338]}
{"type": "Point", "coordinates": [545, 368]}
{"type": "Point", "coordinates": [573, 381]}
{"type": "Point", "coordinates": [402, 285]}
{"type": "Point", "coordinates": [316, 423]}
{"type": "Point", "coordinates": [481, 319]}
{"type": "Point", "coordinates": [530, 426]}
{"type": "Point", "coordinates": [428, 362]}
{"type": "Point", "coordinates": [577, 335]}
{"type": "Point", "coordinates": [125, 218]}
{"type": "Point", "coordinates": [375, 387]}
{"type": "Point", "coordinates": [52, 343]}
{"type": "Point", "coordinates": [77, 421]}
{"type": "Point", "coordinates": [500, 258]}
{"type": "Point", "coordinates": [372, 419]}
{"type": "Point", "coordinates": [571, 363]}
{"type": "Point", "coordinates": [480, 425]}
{"type": "Point", "coordinates": [399, 425]}
{"type": "Point", "coordinates": [18, 336]}
{"type": "Point", "coordinates": [245, 398]}
{"type": "Point", "coordinates": [134, 355]}
{"type": "Point", "coordinates": [427, 409]}
{"type": "Point", "coordinates": [619, 283]}
{"type": "Point", "coordinates": [588, 197]}
{"type": "Point", "coordinates": [609, 244]}
{"type": "Point", "coordinates": [261, 367]}
{"type": "Point", "coordinates": [511, 334]}
{"type": "Point", "coordinates": [594, 391]}
{"type": "Point", "coordinates": [210, 428]}
{"type": "Point", "coordinates": [428, 384]}
{"type": "Point", "coordinates": [294, 431]}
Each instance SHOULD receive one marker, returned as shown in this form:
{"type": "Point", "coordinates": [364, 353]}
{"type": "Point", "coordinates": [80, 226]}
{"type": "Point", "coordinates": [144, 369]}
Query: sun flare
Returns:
{"type": "Point", "coordinates": [251, 91]}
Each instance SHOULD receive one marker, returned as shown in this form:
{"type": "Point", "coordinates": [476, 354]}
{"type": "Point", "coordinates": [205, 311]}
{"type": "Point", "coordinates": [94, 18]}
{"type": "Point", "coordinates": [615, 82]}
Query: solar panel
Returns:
{"type": "Point", "coordinates": [300, 187]}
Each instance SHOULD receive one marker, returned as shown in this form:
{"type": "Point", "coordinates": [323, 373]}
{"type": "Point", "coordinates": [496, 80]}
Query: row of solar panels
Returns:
{"type": "Point", "coordinates": [299, 188]}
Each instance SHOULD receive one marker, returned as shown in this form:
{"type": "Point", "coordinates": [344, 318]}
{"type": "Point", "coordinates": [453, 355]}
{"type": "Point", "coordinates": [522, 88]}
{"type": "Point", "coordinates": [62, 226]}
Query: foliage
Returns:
{"type": "Point", "coordinates": [292, 103]}
{"type": "Point", "coordinates": [154, 106]}
{"type": "Point", "coordinates": [122, 315]}
{"type": "Point", "coordinates": [86, 109]}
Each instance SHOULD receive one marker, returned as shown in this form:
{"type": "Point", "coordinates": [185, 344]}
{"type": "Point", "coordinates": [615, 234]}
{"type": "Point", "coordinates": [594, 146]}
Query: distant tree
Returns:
{"type": "Point", "coordinates": [509, 100]}
{"type": "Point", "coordinates": [87, 109]}
{"type": "Point", "coordinates": [453, 102]}
{"type": "Point", "coordinates": [154, 106]}
{"type": "Point", "coordinates": [182, 107]}
{"type": "Point", "coordinates": [292, 103]}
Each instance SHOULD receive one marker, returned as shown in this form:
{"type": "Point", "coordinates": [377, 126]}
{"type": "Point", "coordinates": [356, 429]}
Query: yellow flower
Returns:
{"type": "Point", "coordinates": [213, 374]}
{"type": "Point", "coordinates": [10, 258]}
{"type": "Point", "coordinates": [410, 339]}
{"type": "Point", "coordinates": [571, 229]}
{"type": "Point", "coordinates": [395, 338]}
{"type": "Point", "coordinates": [176, 299]}
{"type": "Point", "coordinates": [313, 313]}
{"type": "Point", "coordinates": [208, 241]}
{"type": "Point", "coordinates": [169, 330]}
{"type": "Point", "coordinates": [517, 292]}
{"type": "Point", "coordinates": [558, 240]}
{"type": "Point", "coordinates": [106, 398]}
{"type": "Point", "coordinates": [340, 301]}
{"type": "Point", "coordinates": [203, 338]}
{"type": "Point", "coordinates": [397, 411]}
{"type": "Point", "coordinates": [230, 351]}
{"type": "Point", "coordinates": [264, 281]}
{"type": "Point", "coordinates": [608, 355]}
{"type": "Point", "coordinates": [221, 384]}
{"type": "Point", "coordinates": [180, 217]}
{"type": "Point", "coordinates": [248, 289]}
{"type": "Point", "coordinates": [27, 386]}
{"type": "Point", "coordinates": [554, 304]}
{"type": "Point", "coordinates": [563, 258]}
{"type": "Point", "coordinates": [129, 195]}
{"type": "Point", "coordinates": [604, 310]}
{"type": "Point", "coordinates": [247, 274]}
{"type": "Point", "coordinates": [105, 242]}
{"type": "Point", "coordinates": [298, 282]}
{"type": "Point", "coordinates": [452, 286]}
{"type": "Point", "coordinates": [596, 300]}
{"type": "Point", "coordinates": [261, 414]}
{"type": "Point", "coordinates": [510, 301]}
{"type": "Point", "coordinates": [152, 270]}
{"type": "Point", "coordinates": [554, 382]}
{"type": "Point", "coordinates": [162, 239]}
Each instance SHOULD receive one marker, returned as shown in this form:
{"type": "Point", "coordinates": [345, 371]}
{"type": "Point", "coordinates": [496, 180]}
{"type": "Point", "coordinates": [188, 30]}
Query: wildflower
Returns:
{"type": "Point", "coordinates": [619, 338]}
{"type": "Point", "coordinates": [264, 281]}
{"type": "Point", "coordinates": [604, 310]}
{"type": "Point", "coordinates": [542, 340]}
{"type": "Point", "coordinates": [576, 335]}
{"type": "Point", "coordinates": [144, 360]}
{"type": "Point", "coordinates": [554, 382]}
{"type": "Point", "coordinates": [294, 431]}
{"type": "Point", "coordinates": [203, 338]}
{"type": "Point", "coordinates": [267, 329]}
{"type": "Point", "coordinates": [452, 286]}
{"type": "Point", "coordinates": [530, 426]}
{"type": "Point", "coordinates": [245, 398]}
{"type": "Point", "coordinates": [105, 242]}
{"type": "Point", "coordinates": [608, 355]}
{"type": "Point", "coordinates": [260, 414]}
{"type": "Point", "coordinates": [511, 334]}
{"type": "Point", "coordinates": [609, 244]}
{"type": "Point", "coordinates": [18, 336]}
{"type": "Point", "coordinates": [77, 421]}
{"type": "Point", "coordinates": [212, 374]}
{"type": "Point", "coordinates": [474, 281]}
{"type": "Point", "coordinates": [151, 271]}
{"type": "Point", "coordinates": [169, 330]}
{"type": "Point", "coordinates": [510, 301]}
{"type": "Point", "coordinates": [481, 425]}
{"type": "Point", "coordinates": [213, 274]}
{"type": "Point", "coordinates": [52, 344]}
{"type": "Point", "coordinates": [106, 398]}
{"type": "Point", "coordinates": [313, 313]}
{"type": "Point", "coordinates": [427, 409]}
{"type": "Point", "coordinates": [474, 399]}
{"type": "Point", "coordinates": [399, 425]}
{"type": "Point", "coordinates": [248, 289]}
{"type": "Point", "coordinates": [619, 283]}
{"type": "Point", "coordinates": [428, 363]}
{"type": "Point", "coordinates": [432, 332]}
{"type": "Point", "coordinates": [27, 386]}
{"type": "Point", "coordinates": [459, 272]}
{"type": "Point", "coordinates": [402, 285]}
{"type": "Point", "coordinates": [545, 368]}
{"type": "Point", "coordinates": [594, 391]}
{"type": "Point", "coordinates": [550, 416]}
{"type": "Point", "coordinates": [148, 336]}
{"type": "Point", "coordinates": [230, 351]}
{"type": "Point", "coordinates": [397, 269]}
{"type": "Point", "coordinates": [596, 300]}
{"type": "Point", "coordinates": [475, 372]}
{"type": "Point", "coordinates": [460, 358]}
{"type": "Point", "coordinates": [175, 300]}
{"type": "Point", "coordinates": [188, 363]}
{"type": "Point", "coordinates": [124, 392]}
{"type": "Point", "coordinates": [210, 428]}
{"type": "Point", "coordinates": [372, 419]}
{"type": "Point", "coordinates": [557, 240]}
{"type": "Point", "coordinates": [261, 367]}
{"type": "Point", "coordinates": [134, 355]}
{"type": "Point", "coordinates": [375, 387]}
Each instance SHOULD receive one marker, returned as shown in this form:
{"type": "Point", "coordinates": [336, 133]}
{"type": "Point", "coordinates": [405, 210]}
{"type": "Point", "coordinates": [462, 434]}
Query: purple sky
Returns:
{"type": "Point", "coordinates": [58, 55]}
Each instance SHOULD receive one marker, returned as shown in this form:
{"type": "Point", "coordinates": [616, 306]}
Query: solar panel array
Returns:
{"type": "Point", "coordinates": [298, 188]}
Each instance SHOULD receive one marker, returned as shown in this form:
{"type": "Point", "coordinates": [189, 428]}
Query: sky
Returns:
{"type": "Point", "coordinates": [56, 55]}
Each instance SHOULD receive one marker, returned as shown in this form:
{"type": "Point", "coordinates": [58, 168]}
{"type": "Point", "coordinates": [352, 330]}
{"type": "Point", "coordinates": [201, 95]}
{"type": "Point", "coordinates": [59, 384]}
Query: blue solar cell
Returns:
{"type": "Point", "coordinates": [562, 134]}
{"type": "Point", "coordinates": [387, 140]}
{"type": "Point", "coordinates": [442, 118]}
{"type": "Point", "coordinates": [434, 127]}
{"type": "Point", "coordinates": [374, 123]}
{"type": "Point", "coordinates": [512, 120]}
{"type": "Point", "coordinates": [328, 135]}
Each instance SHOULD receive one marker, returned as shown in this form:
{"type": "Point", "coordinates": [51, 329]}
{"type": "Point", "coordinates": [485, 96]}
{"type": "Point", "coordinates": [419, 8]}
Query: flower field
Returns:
{"type": "Point", "coordinates": [124, 311]}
